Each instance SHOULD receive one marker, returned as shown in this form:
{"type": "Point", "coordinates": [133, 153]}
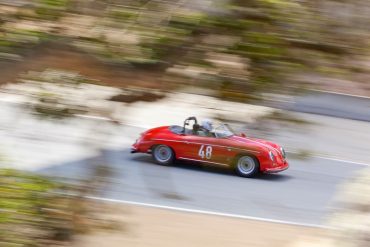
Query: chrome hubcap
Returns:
{"type": "Point", "coordinates": [246, 165]}
{"type": "Point", "coordinates": [163, 153]}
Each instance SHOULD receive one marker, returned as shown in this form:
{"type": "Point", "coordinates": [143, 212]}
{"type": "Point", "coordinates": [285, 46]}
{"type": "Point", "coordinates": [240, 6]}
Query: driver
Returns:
{"type": "Point", "coordinates": [207, 127]}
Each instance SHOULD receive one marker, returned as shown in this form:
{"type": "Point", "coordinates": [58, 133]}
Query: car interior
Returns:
{"type": "Point", "coordinates": [196, 129]}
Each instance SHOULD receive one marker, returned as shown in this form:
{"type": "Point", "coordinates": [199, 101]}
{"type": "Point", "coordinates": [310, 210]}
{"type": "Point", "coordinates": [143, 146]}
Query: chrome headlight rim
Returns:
{"type": "Point", "coordinates": [272, 156]}
{"type": "Point", "coordinates": [283, 153]}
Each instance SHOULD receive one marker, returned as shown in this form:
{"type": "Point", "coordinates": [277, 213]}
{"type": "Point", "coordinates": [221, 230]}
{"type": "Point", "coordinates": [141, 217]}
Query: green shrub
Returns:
{"type": "Point", "coordinates": [39, 211]}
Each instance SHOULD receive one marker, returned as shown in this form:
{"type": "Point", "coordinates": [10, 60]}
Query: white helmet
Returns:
{"type": "Point", "coordinates": [207, 124]}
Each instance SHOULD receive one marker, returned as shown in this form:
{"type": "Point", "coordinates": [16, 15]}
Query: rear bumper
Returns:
{"type": "Point", "coordinates": [140, 148]}
{"type": "Point", "coordinates": [277, 169]}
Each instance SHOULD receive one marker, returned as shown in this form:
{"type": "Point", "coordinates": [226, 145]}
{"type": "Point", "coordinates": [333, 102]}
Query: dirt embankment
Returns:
{"type": "Point", "coordinates": [60, 55]}
{"type": "Point", "coordinates": [145, 227]}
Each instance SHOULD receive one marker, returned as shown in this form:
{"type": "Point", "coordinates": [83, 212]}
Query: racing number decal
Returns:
{"type": "Point", "coordinates": [205, 151]}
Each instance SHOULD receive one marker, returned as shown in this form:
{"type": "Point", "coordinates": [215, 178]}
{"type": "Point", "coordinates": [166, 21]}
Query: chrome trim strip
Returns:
{"type": "Point", "coordinates": [263, 144]}
{"type": "Point", "coordinates": [214, 145]}
{"type": "Point", "coordinates": [268, 147]}
{"type": "Point", "coordinates": [205, 161]}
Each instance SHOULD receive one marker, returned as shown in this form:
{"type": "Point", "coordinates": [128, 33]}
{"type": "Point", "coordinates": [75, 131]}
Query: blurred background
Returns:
{"type": "Point", "coordinates": [81, 79]}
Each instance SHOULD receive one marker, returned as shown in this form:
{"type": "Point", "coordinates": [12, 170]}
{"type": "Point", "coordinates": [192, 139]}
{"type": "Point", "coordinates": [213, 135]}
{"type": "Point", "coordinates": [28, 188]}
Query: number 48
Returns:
{"type": "Point", "coordinates": [205, 151]}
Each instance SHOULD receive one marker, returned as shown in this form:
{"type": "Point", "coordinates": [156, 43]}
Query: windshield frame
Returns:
{"type": "Point", "coordinates": [228, 132]}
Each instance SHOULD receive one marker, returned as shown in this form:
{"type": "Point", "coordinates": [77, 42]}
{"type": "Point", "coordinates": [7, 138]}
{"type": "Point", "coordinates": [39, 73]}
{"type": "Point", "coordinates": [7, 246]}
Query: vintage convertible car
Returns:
{"type": "Point", "coordinates": [248, 156]}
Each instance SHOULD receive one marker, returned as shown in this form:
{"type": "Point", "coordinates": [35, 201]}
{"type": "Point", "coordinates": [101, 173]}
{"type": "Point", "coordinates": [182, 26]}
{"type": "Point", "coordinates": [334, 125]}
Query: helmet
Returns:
{"type": "Point", "coordinates": [207, 124]}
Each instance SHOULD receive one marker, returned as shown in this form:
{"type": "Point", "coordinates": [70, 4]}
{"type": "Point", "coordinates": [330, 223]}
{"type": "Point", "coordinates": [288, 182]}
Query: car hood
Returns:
{"type": "Point", "coordinates": [258, 142]}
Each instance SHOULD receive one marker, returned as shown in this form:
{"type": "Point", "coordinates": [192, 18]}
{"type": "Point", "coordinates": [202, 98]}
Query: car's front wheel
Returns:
{"type": "Point", "coordinates": [246, 166]}
{"type": "Point", "coordinates": [163, 155]}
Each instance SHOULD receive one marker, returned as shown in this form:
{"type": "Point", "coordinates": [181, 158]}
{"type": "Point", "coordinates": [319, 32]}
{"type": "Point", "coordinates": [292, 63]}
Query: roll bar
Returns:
{"type": "Point", "coordinates": [187, 122]}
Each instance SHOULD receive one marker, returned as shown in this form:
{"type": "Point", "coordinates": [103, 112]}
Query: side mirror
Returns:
{"type": "Point", "coordinates": [243, 135]}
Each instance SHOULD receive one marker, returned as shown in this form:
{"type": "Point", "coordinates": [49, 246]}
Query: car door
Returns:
{"type": "Point", "coordinates": [206, 149]}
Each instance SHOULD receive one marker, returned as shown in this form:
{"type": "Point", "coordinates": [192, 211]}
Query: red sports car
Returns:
{"type": "Point", "coordinates": [220, 146]}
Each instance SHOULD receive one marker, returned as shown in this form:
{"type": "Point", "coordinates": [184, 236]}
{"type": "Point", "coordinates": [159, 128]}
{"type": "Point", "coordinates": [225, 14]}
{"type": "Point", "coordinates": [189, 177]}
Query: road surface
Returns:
{"type": "Point", "coordinates": [302, 194]}
{"type": "Point", "coordinates": [328, 104]}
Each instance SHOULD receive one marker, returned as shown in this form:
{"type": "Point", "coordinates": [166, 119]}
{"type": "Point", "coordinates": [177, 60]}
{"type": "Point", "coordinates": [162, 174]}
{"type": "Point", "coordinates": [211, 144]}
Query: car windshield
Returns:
{"type": "Point", "coordinates": [223, 131]}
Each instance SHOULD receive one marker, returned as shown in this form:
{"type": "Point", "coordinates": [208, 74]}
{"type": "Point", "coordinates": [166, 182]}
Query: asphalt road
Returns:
{"type": "Point", "coordinates": [302, 194]}
{"type": "Point", "coordinates": [328, 104]}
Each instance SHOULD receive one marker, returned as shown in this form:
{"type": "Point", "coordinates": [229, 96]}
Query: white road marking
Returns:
{"type": "Point", "coordinates": [342, 160]}
{"type": "Point", "coordinates": [338, 93]}
{"type": "Point", "coordinates": [334, 159]}
{"type": "Point", "coordinates": [206, 212]}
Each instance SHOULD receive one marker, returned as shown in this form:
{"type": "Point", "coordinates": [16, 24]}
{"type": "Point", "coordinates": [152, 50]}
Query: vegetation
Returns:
{"type": "Point", "coordinates": [238, 48]}
{"type": "Point", "coordinates": [38, 211]}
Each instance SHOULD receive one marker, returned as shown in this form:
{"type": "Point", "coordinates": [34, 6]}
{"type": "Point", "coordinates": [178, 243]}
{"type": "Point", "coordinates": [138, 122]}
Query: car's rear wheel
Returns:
{"type": "Point", "coordinates": [246, 166]}
{"type": "Point", "coordinates": [163, 155]}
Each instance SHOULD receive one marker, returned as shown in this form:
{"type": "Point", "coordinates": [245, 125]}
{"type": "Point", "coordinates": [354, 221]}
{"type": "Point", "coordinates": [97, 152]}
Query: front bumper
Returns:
{"type": "Point", "coordinates": [277, 169]}
{"type": "Point", "coordinates": [133, 150]}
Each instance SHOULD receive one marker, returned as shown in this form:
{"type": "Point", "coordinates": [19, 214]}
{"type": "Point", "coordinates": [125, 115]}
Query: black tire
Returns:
{"type": "Point", "coordinates": [163, 155]}
{"type": "Point", "coordinates": [246, 166]}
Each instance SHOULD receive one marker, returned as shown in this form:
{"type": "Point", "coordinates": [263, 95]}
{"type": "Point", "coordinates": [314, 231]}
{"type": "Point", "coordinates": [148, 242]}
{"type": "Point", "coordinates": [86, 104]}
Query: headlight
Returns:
{"type": "Point", "coordinates": [283, 152]}
{"type": "Point", "coordinates": [272, 156]}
